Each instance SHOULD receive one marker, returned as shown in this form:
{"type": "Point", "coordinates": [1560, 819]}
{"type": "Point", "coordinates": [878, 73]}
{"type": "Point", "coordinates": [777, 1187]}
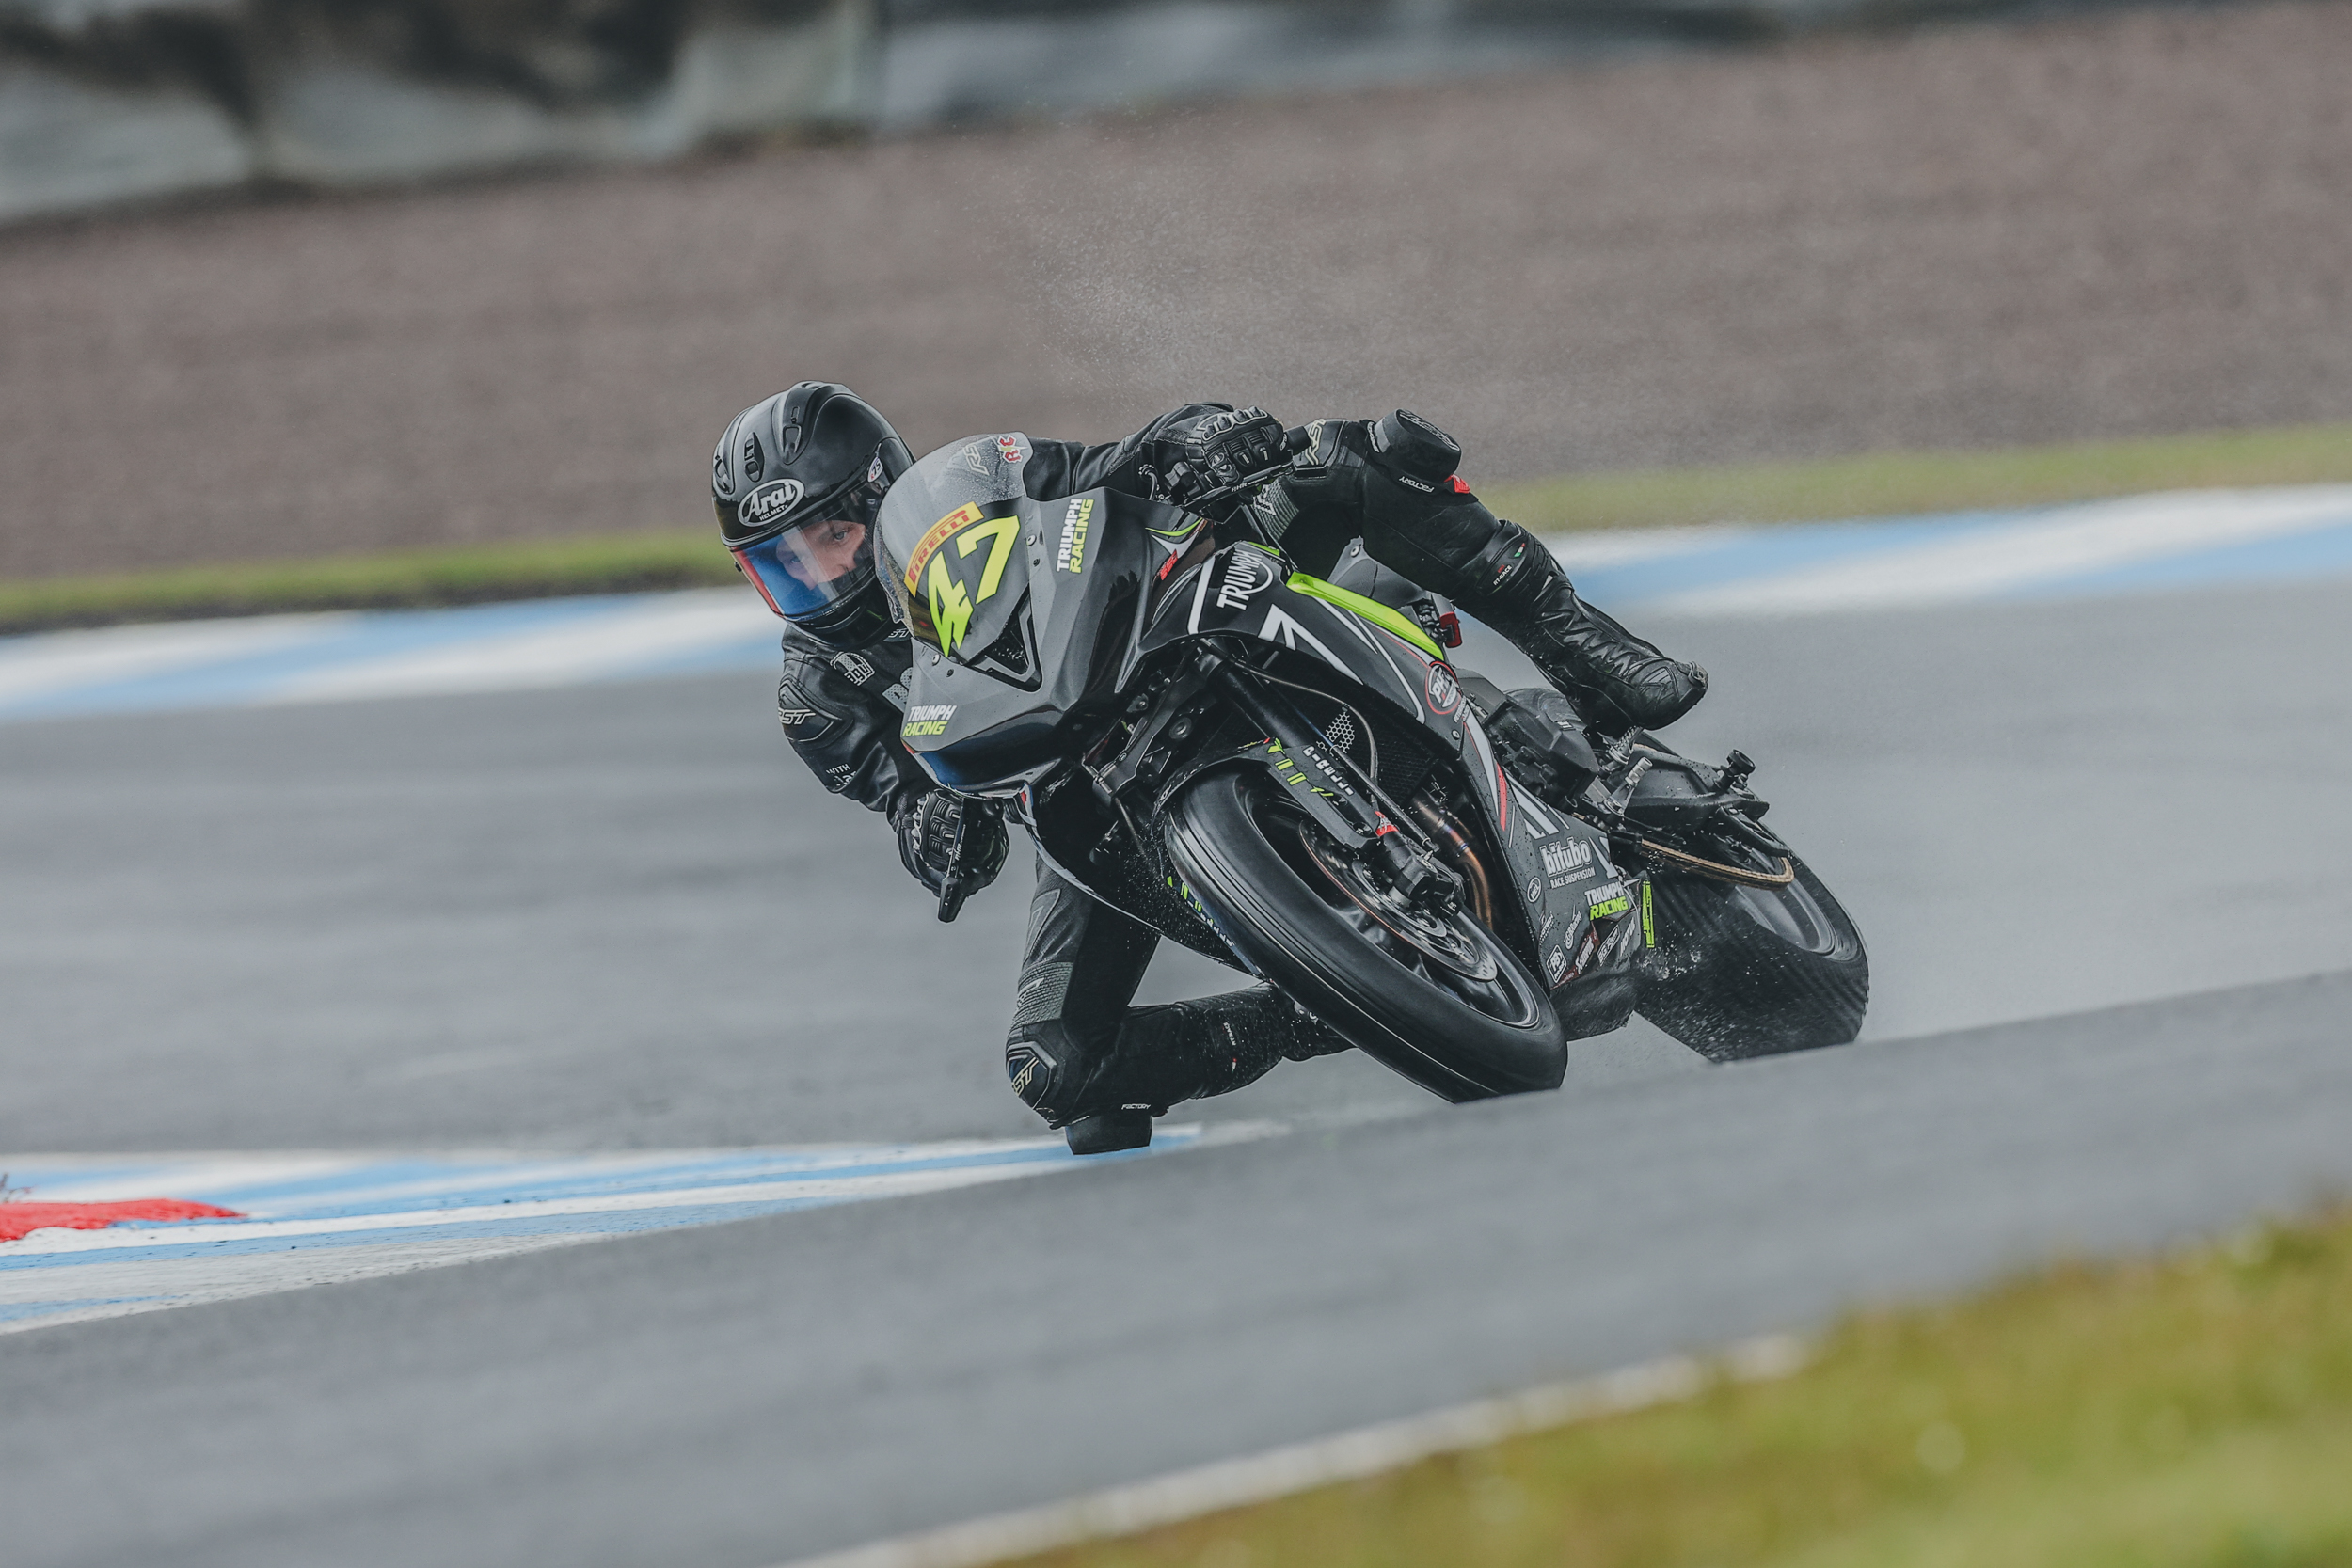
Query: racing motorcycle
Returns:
{"type": "Point", "coordinates": [1287, 775]}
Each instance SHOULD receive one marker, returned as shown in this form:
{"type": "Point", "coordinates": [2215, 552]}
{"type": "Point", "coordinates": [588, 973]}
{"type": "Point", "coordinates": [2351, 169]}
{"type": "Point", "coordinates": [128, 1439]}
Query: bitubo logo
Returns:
{"type": "Point", "coordinates": [926, 718]}
{"type": "Point", "coordinates": [1247, 574]}
{"type": "Point", "coordinates": [1564, 856]}
{"type": "Point", "coordinates": [1071, 557]}
{"type": "Point", "coordinates": [1445, 692]}
{"type": "Point", "coordinates": [770, 502]}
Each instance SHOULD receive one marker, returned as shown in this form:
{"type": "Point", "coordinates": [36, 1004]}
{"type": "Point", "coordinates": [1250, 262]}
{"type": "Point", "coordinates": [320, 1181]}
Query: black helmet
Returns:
{"type": "Point", "coordinates": [797, 481]}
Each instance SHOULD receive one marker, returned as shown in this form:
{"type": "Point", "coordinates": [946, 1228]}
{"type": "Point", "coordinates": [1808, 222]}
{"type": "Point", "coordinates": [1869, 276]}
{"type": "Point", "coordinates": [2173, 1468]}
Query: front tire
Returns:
{"type": "Point", "coordinates": [1479, 1026]}
{"type": "Point", "coordinates": [1741, 972]}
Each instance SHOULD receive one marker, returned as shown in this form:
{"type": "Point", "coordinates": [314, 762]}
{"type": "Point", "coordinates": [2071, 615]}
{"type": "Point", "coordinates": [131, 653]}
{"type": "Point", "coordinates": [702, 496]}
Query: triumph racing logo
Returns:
{"type": "Point", "coordinates": [1071, 557]}
{"type": "Point", "coordinates": [927, 719]}
{"type": "Point", "coordinates": [1247, 574]}
{"type": "Point", "coordinates": [770, 502]}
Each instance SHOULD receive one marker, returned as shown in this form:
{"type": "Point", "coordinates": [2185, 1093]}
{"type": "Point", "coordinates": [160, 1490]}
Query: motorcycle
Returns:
{"type": "Point", "coordinates": [1287, 775]}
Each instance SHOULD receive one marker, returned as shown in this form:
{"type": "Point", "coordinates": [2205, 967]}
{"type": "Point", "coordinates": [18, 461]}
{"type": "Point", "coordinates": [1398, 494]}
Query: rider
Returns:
{"type": "Point", "coordinates": [798, 480]}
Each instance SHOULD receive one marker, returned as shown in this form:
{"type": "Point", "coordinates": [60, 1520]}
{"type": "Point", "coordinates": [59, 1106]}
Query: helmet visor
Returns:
{"type": "Point", "coordinates": [823, 557]}
{"type": "Point", "coordinates": [811, 565]}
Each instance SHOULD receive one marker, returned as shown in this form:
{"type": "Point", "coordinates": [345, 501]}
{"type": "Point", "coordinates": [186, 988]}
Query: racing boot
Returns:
{"type": "Point", "coordinates": [1161, 1056]}
{"type": "Point", "coordinates": [1392, 483]}
{"type": "Point", "coordinates": [1615, 678]}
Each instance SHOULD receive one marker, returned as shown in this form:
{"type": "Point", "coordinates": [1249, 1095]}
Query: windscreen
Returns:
{"type": "Point", "coordinates": [950, 535]}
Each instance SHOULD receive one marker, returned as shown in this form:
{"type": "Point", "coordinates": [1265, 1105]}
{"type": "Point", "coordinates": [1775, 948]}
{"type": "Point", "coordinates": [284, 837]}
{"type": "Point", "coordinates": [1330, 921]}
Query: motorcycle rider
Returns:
{"type": "Point", "coordinates": [798, 481]}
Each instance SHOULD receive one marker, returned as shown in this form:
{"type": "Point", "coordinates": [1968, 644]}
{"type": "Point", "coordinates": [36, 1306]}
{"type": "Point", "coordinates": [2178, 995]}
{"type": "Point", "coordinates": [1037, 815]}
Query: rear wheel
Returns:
{"type": "Point", "coordinates": [1743, 970]}
{"type": "Point", "coordinates": [1432, 993]}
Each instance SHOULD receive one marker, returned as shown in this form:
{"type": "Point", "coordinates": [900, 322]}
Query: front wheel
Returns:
{"type": "Point", "coordinates": [1433, 994]}
{"type": "Point", "coordinates": [1751, 971]}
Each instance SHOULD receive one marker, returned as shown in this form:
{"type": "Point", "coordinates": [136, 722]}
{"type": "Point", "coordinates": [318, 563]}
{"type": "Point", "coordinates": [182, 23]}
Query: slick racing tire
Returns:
{"type": "Point", "coordinates": [1740, 971]}
{"type": "Point", "coordinates": [1444, 1002]}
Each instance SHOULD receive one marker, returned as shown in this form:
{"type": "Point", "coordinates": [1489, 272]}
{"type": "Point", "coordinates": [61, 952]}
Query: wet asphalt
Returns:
{"type": "Point", "coordinates": [2090, 846]}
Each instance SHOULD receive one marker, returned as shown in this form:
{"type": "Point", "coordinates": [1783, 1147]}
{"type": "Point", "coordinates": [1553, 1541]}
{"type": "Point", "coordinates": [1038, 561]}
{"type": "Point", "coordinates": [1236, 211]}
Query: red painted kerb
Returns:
{"type": "Point", "coordinates": [20, 1220]}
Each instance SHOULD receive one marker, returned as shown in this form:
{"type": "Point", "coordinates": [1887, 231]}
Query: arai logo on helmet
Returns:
{"type": "Point", "coordinates": [769, 502]}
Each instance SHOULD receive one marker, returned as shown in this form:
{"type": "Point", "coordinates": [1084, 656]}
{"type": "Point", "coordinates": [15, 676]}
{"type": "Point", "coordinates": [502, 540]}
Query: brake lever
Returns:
{"type": "Point", "coordinates": [1294, 441]}
{"type": "Point", "coordinates": [953, 892]}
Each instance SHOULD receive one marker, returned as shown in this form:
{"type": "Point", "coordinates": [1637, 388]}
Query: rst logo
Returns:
{"type": "Point", "coordinates": [1075, 520]}
{"type": "Point", "coordinates": [1445, 692]}
{"type": "Point", "coordinates": [770, 502]}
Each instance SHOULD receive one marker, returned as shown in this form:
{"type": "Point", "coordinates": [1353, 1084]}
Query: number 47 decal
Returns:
{"type": "Point", "coordinates": [951, 606]}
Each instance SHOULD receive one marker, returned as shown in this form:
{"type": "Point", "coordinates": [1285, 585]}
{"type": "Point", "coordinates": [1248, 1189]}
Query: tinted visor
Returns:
{"type": "Point", "coordinates": [819, 561]}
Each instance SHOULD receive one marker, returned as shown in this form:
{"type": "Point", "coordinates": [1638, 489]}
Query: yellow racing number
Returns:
{"type": "Point", "coordinates": [951, 606]}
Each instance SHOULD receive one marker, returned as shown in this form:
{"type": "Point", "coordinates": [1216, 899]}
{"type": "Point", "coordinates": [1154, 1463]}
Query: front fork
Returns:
{"type": "Point", "coordinates": [1328, 787]}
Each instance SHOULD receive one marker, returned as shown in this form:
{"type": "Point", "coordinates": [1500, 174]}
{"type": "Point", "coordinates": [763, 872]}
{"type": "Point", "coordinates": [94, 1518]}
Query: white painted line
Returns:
{"type": "Point", "coordinates": [219, 1232]}
{"type": "Point", "coordinates": [57, 661]}
{"type": "Point", "coordinates": [316, 1218]}
{"type": "Point", "coordinates": [660, 627]}
{"type": "Point", "coordinates": [1303, 1467]}
{"type": "Point", "coordinates": [1985, 562]}
{"type": "Point", "coordinates": [1605, 548]}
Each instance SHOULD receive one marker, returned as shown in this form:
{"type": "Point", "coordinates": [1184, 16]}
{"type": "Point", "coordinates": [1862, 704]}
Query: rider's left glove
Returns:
{"type": "Point", "coordinates": [927, 839]}
{"type": "Point", "coordinates": [1225, 449]}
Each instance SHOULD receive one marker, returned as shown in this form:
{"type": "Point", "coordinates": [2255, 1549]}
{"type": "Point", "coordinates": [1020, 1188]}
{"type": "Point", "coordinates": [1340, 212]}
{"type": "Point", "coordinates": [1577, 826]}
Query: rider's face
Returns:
{"type": "Point", "coordinates": [827, 550]}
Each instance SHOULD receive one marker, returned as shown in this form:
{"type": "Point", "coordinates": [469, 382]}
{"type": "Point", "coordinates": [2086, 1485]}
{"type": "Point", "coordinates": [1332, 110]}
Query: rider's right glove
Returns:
{"type": "Point", "coordinates": [927, 839]}
{"type": "Point", "coordinates": [1225, 449]}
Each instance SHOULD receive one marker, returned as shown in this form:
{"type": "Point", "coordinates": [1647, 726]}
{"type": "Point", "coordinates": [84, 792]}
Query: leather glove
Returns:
{"type": "Point", "coordinates": [927, 839]}
{"type": "Point", "coordinates": [1224, 449]}
{"type": "Point", "coordinates": [1376, 475]}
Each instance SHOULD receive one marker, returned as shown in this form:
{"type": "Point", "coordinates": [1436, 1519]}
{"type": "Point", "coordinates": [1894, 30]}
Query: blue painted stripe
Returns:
{"type": "Point", "coordinates": [2320, 553]}
{"type": "Point", "coordinates": [597, 1222]}
{"type": "Point", "coordinates": [1772, 550]}
{"type": "Point", "coordinates": [362, 638]}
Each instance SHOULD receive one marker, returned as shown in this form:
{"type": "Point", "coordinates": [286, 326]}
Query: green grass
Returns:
{"type": "Point", "coordinates": [1876, 485]}
{"type": "Point", "coordinates": [1894, 484]}
{"type": "Point", "coordinates": [464, 574]}
{"type": "Point", "coordinates": [2193, 1412]}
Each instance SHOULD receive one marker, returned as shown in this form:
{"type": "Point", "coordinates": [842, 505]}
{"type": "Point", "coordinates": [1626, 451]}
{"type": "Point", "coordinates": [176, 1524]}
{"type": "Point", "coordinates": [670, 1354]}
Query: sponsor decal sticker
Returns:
{"type": "Point", "coordinates": [1567, 860]}
{"type": "Point", "coordinates": [950, 602]}
{"type": "Point", "coordinates": [769, 503]}
{"type": "Point", "coordinates": [854, 666]}
{"type": "Point", "coordinates": [1607, 900]}
{"type": "Point", "coordinates": [1247, 574]}
{"type": "Point", "coordinates": [1535, 890]}
{"type": "Point", "coordinates": [1445, 692]}
{"type": "Point", "coordinates": [791, 707]}
{"type": "Point", "coordinates": [927, 719]}
{"type": "Point", "coordinates": [1556, 965]}
{"type": "Point", "coordinates": [1008, 448]}
{"type": "Point", "coordinates": [1075, 520]}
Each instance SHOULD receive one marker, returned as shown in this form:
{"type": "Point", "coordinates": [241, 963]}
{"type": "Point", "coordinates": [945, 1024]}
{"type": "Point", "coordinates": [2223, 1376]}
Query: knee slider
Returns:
{"type": "Point", "coordinates": [1036, 1063]}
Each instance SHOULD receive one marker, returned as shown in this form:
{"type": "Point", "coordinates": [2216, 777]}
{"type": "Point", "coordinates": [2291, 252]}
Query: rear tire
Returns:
{"type": "Point", "coordinates": [1741, 972]}
{"type": "Point", "coordinates": [1243, 851]}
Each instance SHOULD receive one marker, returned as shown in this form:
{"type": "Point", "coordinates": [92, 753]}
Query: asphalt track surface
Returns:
{"type": "Point", "coordinates": [619, 917]}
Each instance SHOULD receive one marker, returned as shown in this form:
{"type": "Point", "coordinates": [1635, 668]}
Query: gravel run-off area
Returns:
{"type": "Point", "coordinates": [2136, 222]}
